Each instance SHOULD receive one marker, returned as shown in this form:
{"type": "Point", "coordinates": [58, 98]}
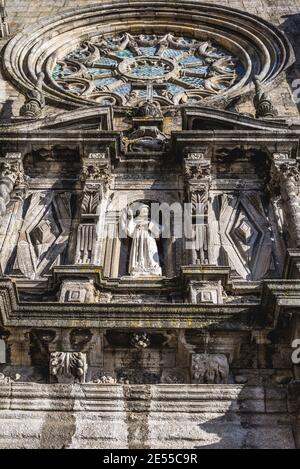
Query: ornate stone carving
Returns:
{"type": "Point", "coordinates": [82, 291]}
{"type": "Point", "coordinates": [198, 196]}
{"type": "Point", "coordinates": [197, 175]}
{"type": "Point", "coordinates": [140, 340]}
{"type": "Point", "coordinates": [35, 101]}
{"type": "Point", "coordinates": [284, 188]}
{"type": "Point", "coordinates": [67, 367]}
{"type": "Point", "coordinates": [80, 338]}
{"type": "Point", "coordinates": [197, 167]}
{"type": "Point", "coordinates": [205, 292]}
{"type": "Point", "coordinates": [11, 175]}
{"type": "Point", "coordinates": [144, 256]}
{"type": "Point", "coordinates": [44, 234]}
{"type": "Point", "coordinates": [149, 108]}
{"type": "Point", "coordinates": [146, 139]}
{"type": "Point", "coordinates": [96, 171]}
{"type": "Point", "coordinates": [173, 377]}
{"type": "Point", "coordinates": [96, 178]}
{"type": "Point", "coordinates": [185, 69]}
{"type": "Point", "coordinates": [262, 101]}
{"type": "Point", "coordinates": [209, 369]}
{"type": "Point", "coordinates": [104, 378]}
{"type": "Point", "coordinates": [137, 376]}
{"type": "Point", "coordinates": [4, 25]}
{"type": "Point", "coordinates": [246, 235]}
{"type": "Point", "coordinates": [90, 201]}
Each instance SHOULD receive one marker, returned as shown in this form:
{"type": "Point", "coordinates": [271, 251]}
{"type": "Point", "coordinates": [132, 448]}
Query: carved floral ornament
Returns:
{"type": "Point", "coordinates": [186, 59]}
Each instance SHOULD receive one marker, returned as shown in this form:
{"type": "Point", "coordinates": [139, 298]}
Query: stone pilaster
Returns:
{"type": "Point", "coordinates": [197, 168]}
{"type": "Point", "coordinates": [4, 25]}
{"type": "Point", "coordinates": [11, 175]}
{"type": "Point", "coordinates": [96, 182]}
{"type": "Point", "coordinates": [285, 179]}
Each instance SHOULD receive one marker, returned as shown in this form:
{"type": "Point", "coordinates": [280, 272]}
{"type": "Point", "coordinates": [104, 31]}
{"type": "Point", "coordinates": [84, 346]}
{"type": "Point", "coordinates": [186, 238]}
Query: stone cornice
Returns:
{"type": "Point", "coordinates": [234, 120]}
{"type": "Point", "coordinates": [279, 297]}
{"type": "Point", "coordinates": [110, 315]}
{"type": "Point", "coordinates": [111, 398]}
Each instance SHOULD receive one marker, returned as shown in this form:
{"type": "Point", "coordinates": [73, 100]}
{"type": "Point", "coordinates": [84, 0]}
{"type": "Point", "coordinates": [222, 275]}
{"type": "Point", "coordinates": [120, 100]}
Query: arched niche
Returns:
{"type": "Point", "coordinates": [117, 248]}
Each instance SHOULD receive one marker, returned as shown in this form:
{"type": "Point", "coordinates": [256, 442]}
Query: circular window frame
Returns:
{"type": "Point", "coordinates": [262, 49]}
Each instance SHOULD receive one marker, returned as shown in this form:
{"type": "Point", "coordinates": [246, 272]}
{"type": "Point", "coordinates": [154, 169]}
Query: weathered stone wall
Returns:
{"type": "Point", "coordinates": [170, 417]}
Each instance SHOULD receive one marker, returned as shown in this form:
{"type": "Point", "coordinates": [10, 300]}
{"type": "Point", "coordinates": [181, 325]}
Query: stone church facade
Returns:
{"type": "Point", "coordinates": [150, 224]}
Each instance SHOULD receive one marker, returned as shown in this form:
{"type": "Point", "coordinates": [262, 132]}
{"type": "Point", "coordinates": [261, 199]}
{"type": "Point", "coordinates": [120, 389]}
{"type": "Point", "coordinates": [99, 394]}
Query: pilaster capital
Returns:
{"type": "Point", "coordinates": [197, 167]}
{"type": "Point", "coordinates": [96, 169]}
{"type": "Point", "coordinates": [11, 167]}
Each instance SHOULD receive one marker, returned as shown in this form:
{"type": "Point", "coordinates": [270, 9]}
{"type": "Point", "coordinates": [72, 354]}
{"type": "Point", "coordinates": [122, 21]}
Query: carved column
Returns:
{"type": "Point", "coordinates": [284, 187]}
{"type": "Point", "coordinates": [13, 189]}
{"type": "Point", "coordinates": [197, 179]}
{"type": "Point", "coordinates": [96, 185]}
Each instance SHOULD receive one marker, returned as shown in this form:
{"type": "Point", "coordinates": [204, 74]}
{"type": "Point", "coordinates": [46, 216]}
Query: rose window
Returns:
{"type": "Point", "coordinates": [126, 68]}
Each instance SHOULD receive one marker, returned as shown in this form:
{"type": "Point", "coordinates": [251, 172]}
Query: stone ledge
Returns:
{"type": "Point", "coordinates": [163, 398]}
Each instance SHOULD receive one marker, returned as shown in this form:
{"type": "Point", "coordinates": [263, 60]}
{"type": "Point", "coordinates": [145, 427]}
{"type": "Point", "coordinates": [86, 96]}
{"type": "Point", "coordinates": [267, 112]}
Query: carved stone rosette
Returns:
{"type": "Point", "coordinates": [68, 367]}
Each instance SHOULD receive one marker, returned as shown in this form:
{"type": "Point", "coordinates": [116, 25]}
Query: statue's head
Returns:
{"type": "Point", "coordinates": [144, 211]}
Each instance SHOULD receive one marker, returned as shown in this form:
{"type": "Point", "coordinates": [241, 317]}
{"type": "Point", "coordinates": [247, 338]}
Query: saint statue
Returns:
{"type": "Point", "coordinates": [144, 257]}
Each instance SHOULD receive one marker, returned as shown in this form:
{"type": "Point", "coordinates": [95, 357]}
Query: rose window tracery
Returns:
{"type": "Point", "coordinates": [125, 68]}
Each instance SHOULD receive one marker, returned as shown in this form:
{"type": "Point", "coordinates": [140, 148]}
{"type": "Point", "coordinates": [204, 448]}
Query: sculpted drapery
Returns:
{"type": "Point", "coordinates": [144, 256]}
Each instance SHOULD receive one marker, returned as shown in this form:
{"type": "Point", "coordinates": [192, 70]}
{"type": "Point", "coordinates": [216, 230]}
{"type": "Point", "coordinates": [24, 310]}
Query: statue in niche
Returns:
{"type": "Point", "coordinates": [144, 256]}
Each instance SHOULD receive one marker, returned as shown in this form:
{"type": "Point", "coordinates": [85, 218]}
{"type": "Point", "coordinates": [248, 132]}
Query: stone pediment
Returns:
{"type": "Point", "coordinates": [210, 118]}
{"type": "Point", "coordinates": [198, 117]}
{"type": "Point", "coordinates": [93, 118]}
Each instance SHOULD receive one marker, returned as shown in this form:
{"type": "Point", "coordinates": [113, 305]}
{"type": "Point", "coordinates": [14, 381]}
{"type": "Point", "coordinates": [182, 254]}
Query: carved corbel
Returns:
{"type": "Point", "coordinates": [262, 102]}
{"type": "Point", "coordinates": [68, 367]}
{"type": "Point", "coordinates": [35, 101]}
{"type": "Point", "coordinates": [11, 178]}
{"type": "Point", "coordinates": [209, 368]}
{"type": "Point", "coordinates": [140, 340]}
{"type": "Point", "coordinates": [197, 166]}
